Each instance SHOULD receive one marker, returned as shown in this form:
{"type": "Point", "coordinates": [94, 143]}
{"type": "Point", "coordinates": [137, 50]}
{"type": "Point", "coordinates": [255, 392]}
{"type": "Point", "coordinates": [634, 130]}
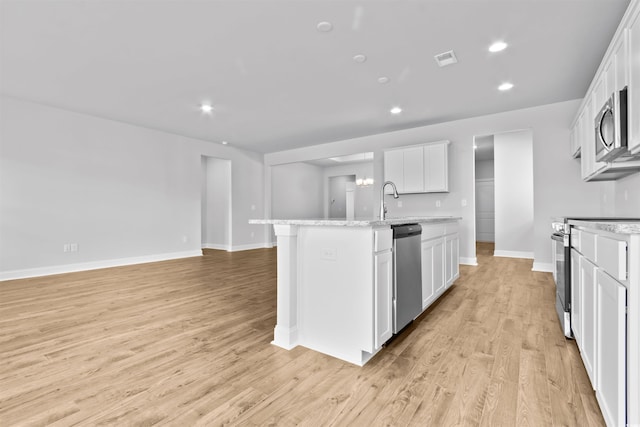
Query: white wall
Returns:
{"type": "Point", "coordinates": [484, 169]}
{"type": "Point", "coordinates": [558, 188]}
{"type": "Point", "coordinates": [216, 203]}
{"type": "Point", "coordinates": [123, 193]}
{"type": "Point", "coordinates": [363, 196]}
{"type": "Point", "coordinates": [626, 196]}
{"type": "Point", "coordinates": [513, 154]}
{"type": "Point", "coordinates": [297, 191]}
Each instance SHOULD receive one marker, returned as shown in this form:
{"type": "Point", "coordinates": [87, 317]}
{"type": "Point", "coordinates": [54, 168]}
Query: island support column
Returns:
{"type": "Point", "coordinates": [285, 334]}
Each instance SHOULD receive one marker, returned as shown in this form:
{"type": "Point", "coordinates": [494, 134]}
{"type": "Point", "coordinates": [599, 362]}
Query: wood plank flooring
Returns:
{"type": "Point", "coordinates": [187, 342]}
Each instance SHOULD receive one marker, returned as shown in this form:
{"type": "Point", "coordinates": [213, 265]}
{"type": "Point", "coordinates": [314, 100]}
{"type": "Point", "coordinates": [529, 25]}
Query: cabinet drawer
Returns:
{"type": "Point", "coordinates": [430, 231]}
{"type": "Point", "coordinates": [382, 239]}
{"type": "Point", "coordinates": [588, 245]}
{"type": "Point", "coordinates": [451, 228]}
{"type": "Point", "coordinates": [612, 257]}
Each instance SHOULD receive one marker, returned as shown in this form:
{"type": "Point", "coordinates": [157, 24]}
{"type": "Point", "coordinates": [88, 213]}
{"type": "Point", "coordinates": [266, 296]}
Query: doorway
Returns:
{"type": "Point", "coordinates": [512, 181]}
{"type": "Point", "coordinates": [341, 196]}
{"type": "Point", "coordinates": [216, 208]}
{"type": "Point", "coordinates": [485, 189]}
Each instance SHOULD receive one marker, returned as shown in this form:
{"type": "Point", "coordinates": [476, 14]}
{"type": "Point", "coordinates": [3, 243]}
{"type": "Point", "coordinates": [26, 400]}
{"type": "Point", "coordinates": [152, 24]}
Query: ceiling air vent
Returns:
{"type": "Point", "coordinates": [446, 58]}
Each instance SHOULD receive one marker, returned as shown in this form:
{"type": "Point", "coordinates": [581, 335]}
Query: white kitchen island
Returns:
{"type": "Point", "coordinates": [335, 281]}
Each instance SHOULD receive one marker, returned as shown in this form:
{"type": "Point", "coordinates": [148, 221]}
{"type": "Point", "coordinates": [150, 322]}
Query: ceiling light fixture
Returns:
{"type": "Point", "coordinates": [225, 142]}
{"type": "Point", "coordinates": [206, 108]}
{"type": "Point", "coordinates": [324, 27]}
{"type": "Point", "coordinates": [498, 46]}
{"type": "Point", "coordinates": [396, 110]}
{"type": "Point", "coordinates": [505, 86]}
{"type": "Point", "coordinates": [383, 80]}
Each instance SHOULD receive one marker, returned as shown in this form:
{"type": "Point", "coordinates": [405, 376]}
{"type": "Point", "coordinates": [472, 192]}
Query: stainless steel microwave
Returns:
{"type": "Point", "coordinates": [611, 128]}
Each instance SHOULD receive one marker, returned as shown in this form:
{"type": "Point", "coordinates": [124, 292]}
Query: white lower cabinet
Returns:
{"type": "Point", "coordinates": [576, 298]}
{"type": "Point", "coordinates": [440, 260]}
{"type": "Point", "coordinates": [611, 357]}
{"type": "Point", "coordinates": [589, 342]}
{"type": "Point", "coordinates": [432, 270]}
{"type": "Point", "coordinates": [383, 297]}
{"type": "Point", "coordinates": [452, 258]}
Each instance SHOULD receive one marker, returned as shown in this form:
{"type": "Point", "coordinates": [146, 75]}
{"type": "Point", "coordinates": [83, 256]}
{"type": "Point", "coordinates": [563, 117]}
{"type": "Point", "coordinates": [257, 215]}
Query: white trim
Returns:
{"type": "Point", "coordinates": [249, 247]}
{"type": "Point", "coordinates": [545, 267]}
{"type": "Point", "coordinates": [469, 260]}
{"type": "Point", "coordinates": [513, 254]}
{"type": "Point", "coordinates": [94, 265]}
{"type": "Point", "coordinates": [216, 246]}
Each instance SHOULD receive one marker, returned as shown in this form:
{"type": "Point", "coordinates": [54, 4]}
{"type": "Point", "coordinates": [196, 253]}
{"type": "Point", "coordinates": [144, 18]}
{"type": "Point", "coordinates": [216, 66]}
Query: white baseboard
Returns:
{"type": "Point", "coordinates": [468, 260]}
{"type": "Point", "coordinates": [545, 267]}
{"type": "Point", "coordinates": [513, 254]}
{"type": "Point", "coordinates": [236, 248]}
{"type": "Point", "coordinates": [94, 265]}
{"type": "Point", "coordinates": [216, 246]}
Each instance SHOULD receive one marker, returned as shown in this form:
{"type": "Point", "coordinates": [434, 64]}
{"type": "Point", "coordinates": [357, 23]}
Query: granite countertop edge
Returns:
{"type": "Point", "coordinates": [632, 226]}
{"type": "Point", "coordinates": [357, 222]}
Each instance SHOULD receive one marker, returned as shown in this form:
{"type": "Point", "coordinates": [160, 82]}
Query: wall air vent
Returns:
{"type": "Point", "coordinates": [446, 58]}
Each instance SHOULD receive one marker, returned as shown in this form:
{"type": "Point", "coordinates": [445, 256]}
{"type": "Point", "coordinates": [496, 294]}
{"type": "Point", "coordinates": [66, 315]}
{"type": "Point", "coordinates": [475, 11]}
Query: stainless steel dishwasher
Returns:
{"type": "Point", "coordinates": [407, 275]}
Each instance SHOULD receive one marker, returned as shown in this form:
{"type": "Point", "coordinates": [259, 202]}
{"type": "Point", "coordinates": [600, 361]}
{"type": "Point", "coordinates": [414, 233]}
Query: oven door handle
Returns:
{"type": "Point", "coordinates": [564, 238]}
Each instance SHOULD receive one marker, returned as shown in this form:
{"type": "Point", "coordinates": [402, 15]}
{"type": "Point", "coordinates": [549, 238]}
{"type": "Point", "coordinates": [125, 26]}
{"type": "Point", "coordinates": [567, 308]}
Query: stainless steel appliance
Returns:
{"type": "Point", "coordinates": [407, 275]}
{"type": "Point", "coordinates": [562, 273]}
{"type": "Point", "coordinates": [611, 129]}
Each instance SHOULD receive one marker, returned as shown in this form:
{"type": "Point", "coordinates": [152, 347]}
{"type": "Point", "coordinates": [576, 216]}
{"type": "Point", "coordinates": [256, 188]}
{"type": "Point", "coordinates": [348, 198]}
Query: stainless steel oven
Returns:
{"type": "Point", "coordinates": [562, 274]}
{"type": "Point", "coordinates": [611, 129]}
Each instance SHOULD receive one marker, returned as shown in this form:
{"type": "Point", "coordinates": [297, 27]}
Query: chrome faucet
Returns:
{"type": "Point", "coordinates": [383, 208]}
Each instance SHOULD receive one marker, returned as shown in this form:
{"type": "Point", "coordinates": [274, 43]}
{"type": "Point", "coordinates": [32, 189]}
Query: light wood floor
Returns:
{"type": "Point", "coordinates": [187, 342]}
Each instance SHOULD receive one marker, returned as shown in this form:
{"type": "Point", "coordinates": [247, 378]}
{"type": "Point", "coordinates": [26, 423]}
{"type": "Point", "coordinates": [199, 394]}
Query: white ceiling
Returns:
{"type": "Point", "coordinates": [277, 83]}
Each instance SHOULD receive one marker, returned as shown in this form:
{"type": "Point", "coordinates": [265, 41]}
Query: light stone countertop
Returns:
{"type": "Point", "coordinates": [622, 226]}
{"type": "Point", "coordinates": [358, 222]}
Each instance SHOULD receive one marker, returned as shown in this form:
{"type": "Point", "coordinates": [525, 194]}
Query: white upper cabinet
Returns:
{"type": "Point", "coordinates": [436, 162]}
{"type": "Point", "coordinates": [619, 68]}
{"type": "Point", "coordinates": [418, 168]}
{"type": "Point", "coordinates": [633, 92]}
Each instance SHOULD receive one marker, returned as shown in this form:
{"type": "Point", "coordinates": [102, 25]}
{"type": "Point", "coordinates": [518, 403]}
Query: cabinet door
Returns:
{"type": "Point", "coordinates": [383, 300]}
{"type": "Point", "coordinates": [436, 167]}
{"type": "Point", "coordinates": [589, 313]}
{"type": "Point", "coordinates": [432, 270]}
{"type": "Point", "coordinates": [633, 92]}
{"type": "Point", "coordinates": [576, 297]}
{"type": "Point", "coordinates": [394, 169]}
{"type": "Point", "coordinates": [589, 165]}
{"type": "Point", "coordinates": [413, 170]}
{"type": "Point", "coordinates": [452, 260]}
{"type": "Point", "coordinates": [611, 339]}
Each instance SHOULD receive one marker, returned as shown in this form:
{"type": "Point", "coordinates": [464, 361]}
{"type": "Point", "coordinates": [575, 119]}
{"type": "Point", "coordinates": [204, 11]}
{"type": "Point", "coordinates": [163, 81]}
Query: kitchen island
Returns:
{"type": "Point", "coordinates": [335, 280]}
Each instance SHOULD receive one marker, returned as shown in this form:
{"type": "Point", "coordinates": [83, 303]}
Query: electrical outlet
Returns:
{"type": "Point", "coordinates": [437, 203]}
{"type": "Point", "coordinates": [464, 202]}
{"type": "Point", "coordinates": [73, 247]}
{"type": "Point", "coordinates": [66, 247]}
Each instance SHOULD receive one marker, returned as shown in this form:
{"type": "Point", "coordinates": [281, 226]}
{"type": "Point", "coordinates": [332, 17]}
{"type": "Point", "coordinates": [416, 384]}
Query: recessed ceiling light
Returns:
{"type": "Point", "coordinates": [505, 86]}
{"type": "Point", "coordinates": [475, 147]}
{"type": "Point", "coordinates": [497, 47]}
{"type": "Point", "coordinates": [396, 110]}
{"type": "Point", "coordinates": [225, 142]}
{"type": "Point", "coordinates": [206, 108]}
{"type": "Point", "coordinates": [360, 58]}
{"type": "Point", "coordinates": [324, 27]}
{"type": "Point", "coordinates": [383, 80]}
